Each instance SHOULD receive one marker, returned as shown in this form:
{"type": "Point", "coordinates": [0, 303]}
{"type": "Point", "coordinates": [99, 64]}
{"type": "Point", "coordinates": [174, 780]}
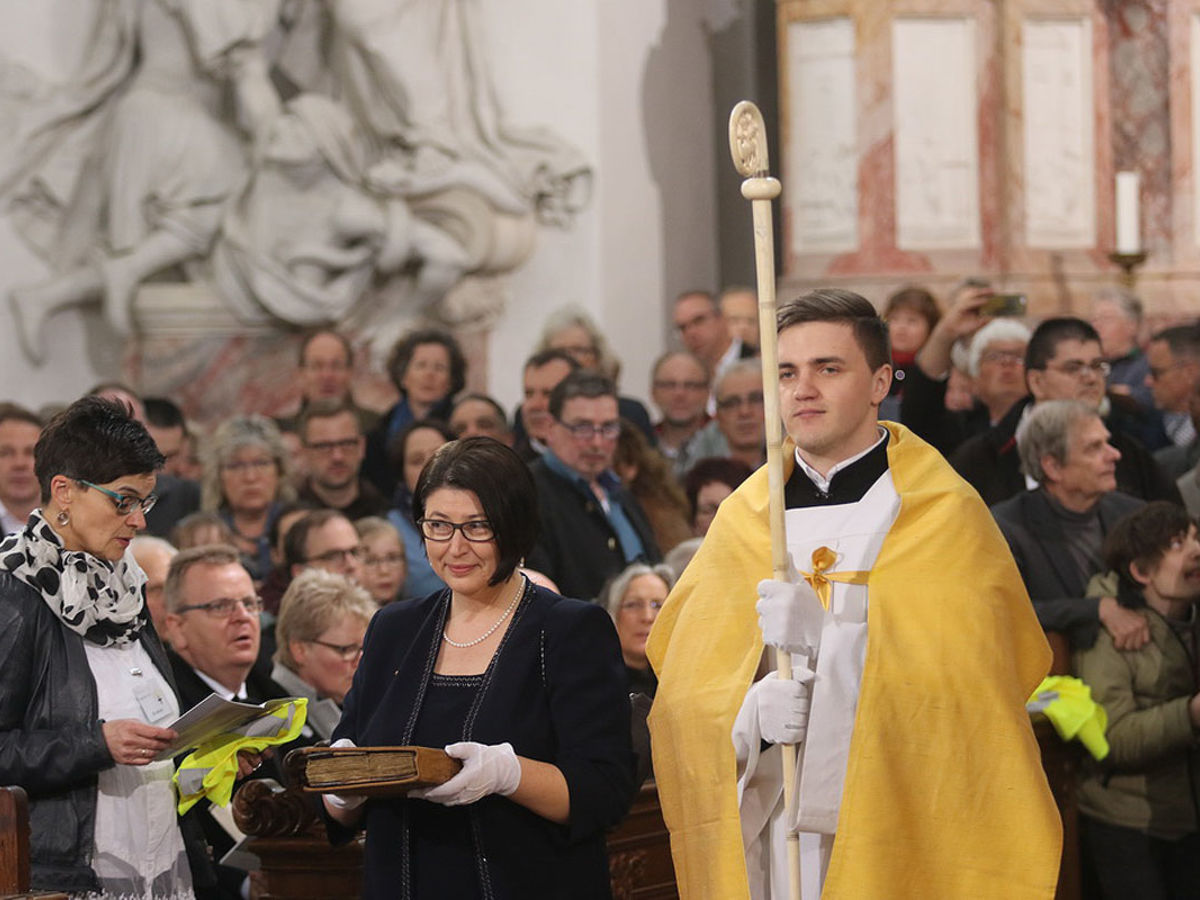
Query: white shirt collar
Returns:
{"type": "Point", "coordinates": [220, 690]}
{"type": "Point", "coordinates": [8, 522]}
{"type": "Point", "coordinates": [822, 481]}
{"type": "Point", "coordinates": [731, 355]}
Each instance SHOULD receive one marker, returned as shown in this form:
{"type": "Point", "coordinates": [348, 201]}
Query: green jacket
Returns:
{"type": "Point", "coordinates": [1151, 778]}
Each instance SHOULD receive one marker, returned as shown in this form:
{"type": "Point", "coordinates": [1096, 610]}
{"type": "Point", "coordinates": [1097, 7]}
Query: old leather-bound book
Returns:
{"type": "Point", "coordinates": [369, 771]}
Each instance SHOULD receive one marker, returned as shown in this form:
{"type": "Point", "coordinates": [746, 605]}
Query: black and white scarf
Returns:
{"type": "Point", "coordinates": [100, 600]}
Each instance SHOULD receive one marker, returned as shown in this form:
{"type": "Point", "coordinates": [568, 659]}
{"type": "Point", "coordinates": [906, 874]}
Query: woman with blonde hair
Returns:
{"type": "Point", "coordinates": [319, 637]}
{"type": "Point", "coordinates": [383, 566]}
{"type": "Point", "coordinates": [245, 482]}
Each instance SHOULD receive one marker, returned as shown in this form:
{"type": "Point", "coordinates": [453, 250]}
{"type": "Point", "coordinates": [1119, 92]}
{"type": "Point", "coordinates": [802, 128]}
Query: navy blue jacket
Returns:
{"type": "Point", "coordinates": [556, 690]}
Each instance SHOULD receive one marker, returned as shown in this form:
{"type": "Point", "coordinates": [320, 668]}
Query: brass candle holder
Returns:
{"type": "Point", "coordinates": [1128, 263]}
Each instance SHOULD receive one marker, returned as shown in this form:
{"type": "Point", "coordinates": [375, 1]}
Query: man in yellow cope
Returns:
{"type": "Point", "coordinates": [914, 648]}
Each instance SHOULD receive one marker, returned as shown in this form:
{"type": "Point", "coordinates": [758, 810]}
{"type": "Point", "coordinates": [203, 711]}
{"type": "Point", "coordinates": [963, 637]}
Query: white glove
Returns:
{"type": "Point", "coordinates": [339, 801]}
{"type": "Point", "coordinates": [487, 769]}
{"type": "Point", "coordinates": [783, 707]}
{"type": "Point", "coordinates": [790, 616]}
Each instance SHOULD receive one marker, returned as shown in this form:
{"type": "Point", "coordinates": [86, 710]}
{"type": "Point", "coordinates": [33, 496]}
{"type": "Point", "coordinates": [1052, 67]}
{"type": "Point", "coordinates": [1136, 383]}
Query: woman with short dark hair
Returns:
{"type": "Point", "coordinates": [410, 452]}
{"type": "Point", "coordinates": [428, 369]}
{"type": "Point", "coordinates": [525, 687]}
{"type": "Point", "coordinates": [85, 689]}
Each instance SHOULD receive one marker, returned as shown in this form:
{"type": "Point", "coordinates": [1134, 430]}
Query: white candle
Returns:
{"type": "Point", "coordinates": [1129, 226]}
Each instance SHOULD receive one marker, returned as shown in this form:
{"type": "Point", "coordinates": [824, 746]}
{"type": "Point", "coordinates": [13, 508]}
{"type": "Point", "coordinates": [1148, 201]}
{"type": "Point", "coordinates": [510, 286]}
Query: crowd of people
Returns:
{"type": "Point", "coordinates": [268, 557]}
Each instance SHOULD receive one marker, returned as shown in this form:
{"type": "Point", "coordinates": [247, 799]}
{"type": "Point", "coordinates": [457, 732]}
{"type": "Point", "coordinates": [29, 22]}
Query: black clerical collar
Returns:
{"type": "Point", "coordinates": [849, 485]}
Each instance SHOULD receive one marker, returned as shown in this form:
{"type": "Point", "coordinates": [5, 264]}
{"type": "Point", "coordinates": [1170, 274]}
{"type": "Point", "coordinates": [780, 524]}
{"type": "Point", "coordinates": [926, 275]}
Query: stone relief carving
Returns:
{"type": "Point", "coordinates": [302, 157]}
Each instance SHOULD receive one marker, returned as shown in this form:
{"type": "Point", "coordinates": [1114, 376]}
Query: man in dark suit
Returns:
{"type": "Point", "coordinates": [1056, 531]}
{"type": "Point", "coordinates": [213, 629]}
{"type": "Point", "coordinates": [591, 526]}
{"type": "Point", "coordinates": [1062, 362]}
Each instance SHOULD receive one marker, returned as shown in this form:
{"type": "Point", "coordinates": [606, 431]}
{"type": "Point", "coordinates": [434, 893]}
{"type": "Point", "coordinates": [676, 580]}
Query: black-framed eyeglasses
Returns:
{"type": "Point", "coordinates": [1077, 367]}
{"type": "Point", "coordinates": [665, 384]}
{"type": "Point", "coordinates": [639, 605]}
{"type": "Point", "coordinates": [125, 503]}
{"type": "Point", "coordinates": [338, 556]}
{"type": "Point", "coordinates": [224, 608]}
{"type": "Point", "coordinates": [1159, 373]}
{"type": "Point", "coordinates": [587, 431]}
{"type": "Point", "coordinates": [346, 445]}
{"type": "Point", "coordinates": [1003, 356]}
{"type": "Point", "coordinates": [733, 401]}
{"type": "Point", "coordinates": [477, 531]}
{"type": "Point", "coordinates": [347, 652]}
{"type": "Point", "coordinates": [242, 466]}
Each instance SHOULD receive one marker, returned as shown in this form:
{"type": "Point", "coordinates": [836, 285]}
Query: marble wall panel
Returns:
{"type": "Point", "coordinates": [1194, 85]}
{"type": "Point", "coordinates": [1141, 137]}
{"type": "Point", "coordinates": [1059, 159]}
{"type": "Point", "coordinates": [936, 139]}
{"type": "Point", "coordinates": [821, 166]}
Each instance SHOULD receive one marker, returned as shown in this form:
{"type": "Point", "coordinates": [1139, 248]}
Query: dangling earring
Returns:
{"type": "Point", "coordinates": [63, 517]}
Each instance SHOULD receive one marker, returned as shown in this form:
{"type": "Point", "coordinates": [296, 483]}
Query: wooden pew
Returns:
{"type": "Point", "coordinates": [1060, 759]}
{"type": "Point", "coordinates": [14, 847]}
{"type": "Point", "coordinates": [299, 864]}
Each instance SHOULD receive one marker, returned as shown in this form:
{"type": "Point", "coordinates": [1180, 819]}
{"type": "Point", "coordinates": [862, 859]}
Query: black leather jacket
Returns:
{"type": "Point", "coordinates": [51, 741]}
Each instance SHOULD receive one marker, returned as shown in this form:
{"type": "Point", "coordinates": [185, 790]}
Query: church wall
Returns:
{"type": "Point", "coordinates": [983, 139]}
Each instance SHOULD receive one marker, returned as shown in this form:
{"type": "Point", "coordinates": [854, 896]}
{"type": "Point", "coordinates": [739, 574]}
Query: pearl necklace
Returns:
{"type": "Point", "coordinates": [487, 634]}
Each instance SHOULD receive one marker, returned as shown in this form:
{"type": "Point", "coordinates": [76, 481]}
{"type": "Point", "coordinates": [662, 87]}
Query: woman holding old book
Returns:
{"type": "Point", "coordinates": [526, 688]}
{"type": "Point", "coordinates": [85, 689]}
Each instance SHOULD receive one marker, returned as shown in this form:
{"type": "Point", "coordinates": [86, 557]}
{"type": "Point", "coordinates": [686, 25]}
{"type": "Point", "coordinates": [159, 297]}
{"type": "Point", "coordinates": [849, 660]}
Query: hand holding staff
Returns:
{"type": "Point", "coordinates": [748, 146]}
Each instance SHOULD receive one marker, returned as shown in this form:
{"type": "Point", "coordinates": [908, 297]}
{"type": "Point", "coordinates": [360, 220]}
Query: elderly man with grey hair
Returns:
{"type": "Point", "coordinates": [1116, 314]}
{"type": "Point", "coordinates": [994, 362]}
{"type": "Point", "coordinates": [1056, 530]}
{"type": "Point", "coordinates": [154, 555]}
{"type": "Point", "coordinates": [738, 431]}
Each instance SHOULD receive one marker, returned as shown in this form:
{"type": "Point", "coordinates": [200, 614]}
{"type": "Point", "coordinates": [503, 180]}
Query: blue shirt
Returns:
{"type": "Point", "coordinates": [631, 544]}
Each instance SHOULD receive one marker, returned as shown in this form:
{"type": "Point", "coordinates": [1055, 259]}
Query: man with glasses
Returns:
{"type": "Point", "coordinates": [326, 367]}
{"type": "Point", "coordinates": [1173, 371]}
{"type": "Point", "coordinates": [212, 623]}
{"type": "Point", "coordinates": [679, 388]}
{"type": "Point", "coordinates": [334, 448]}
{"type": "Point", "coordinates": [1062, 362]}
{"type": "Point", "coordinates": [323, 539]}
{"type": "Point", "coordinates": [591, 528]}
{"type": "Point", "coordinates": [213, 628]}
{"type": "Point", "coordinates": [704, 332]}
{"type": "Point", "coordinates": [738, 431]}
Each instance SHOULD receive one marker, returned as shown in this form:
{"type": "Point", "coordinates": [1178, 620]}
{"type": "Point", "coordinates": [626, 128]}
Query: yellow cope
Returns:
{"type": "Point", "coordinates": [944, 796]}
